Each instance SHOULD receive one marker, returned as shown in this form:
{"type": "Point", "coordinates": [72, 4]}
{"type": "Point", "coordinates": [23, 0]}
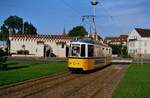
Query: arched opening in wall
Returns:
{"type": "Point", "coordinates": [67, 51]}
{"type": "Point", "coordinates": [47, 51]}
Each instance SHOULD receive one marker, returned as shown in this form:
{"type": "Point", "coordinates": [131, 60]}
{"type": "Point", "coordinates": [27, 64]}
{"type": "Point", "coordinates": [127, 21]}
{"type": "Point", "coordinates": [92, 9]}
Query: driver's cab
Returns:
{"type": "Point", "coordinates": [81, 49]}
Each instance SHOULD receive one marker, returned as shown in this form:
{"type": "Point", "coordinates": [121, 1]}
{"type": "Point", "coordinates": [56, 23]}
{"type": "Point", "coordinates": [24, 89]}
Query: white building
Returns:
{"type": "Point", "coordinates": [139, 42]}
{"type": "Point", "coordinates": [39, 45]}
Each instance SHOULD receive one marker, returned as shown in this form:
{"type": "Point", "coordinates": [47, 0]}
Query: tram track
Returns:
{"type": "Point", "coordinates": [53, 84]}
{"type": "Point", "coordinates": [67, 85]}
{"type": "Point", "coordinates": [25, 88]}
{"type": "Point", "coordinates": [70, 87]}
{"type": "Point", "coordinates": [110, 84]}
{"type": "Point", "coordinates": [92, 85]}
{"type": "Point", "coordinates": [102, 90]}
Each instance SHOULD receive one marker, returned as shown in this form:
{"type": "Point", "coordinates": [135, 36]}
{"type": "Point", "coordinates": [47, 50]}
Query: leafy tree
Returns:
{"type": "Point", "coordinates": [119, 50]}
{"type": "Point", "coordinates": [116, 49]}
{"type": "Point", "coordinates": [14, 22]}
{"type": "Point", "coordinates": [29, 28]}
{"type": "Point", "coordinates": [78, 31]}
{"type": "Point", "coordinates": [124, 51]}
{"type": "Point", "coordinates": [4, 33]}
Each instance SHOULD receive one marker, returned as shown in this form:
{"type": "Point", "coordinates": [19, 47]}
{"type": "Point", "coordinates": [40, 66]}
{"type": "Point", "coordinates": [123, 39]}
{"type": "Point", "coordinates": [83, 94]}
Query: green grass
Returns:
{"type": "Point", "coordinates": [25, 70]}
{"type": "Point", "coordinates": [135, 84]}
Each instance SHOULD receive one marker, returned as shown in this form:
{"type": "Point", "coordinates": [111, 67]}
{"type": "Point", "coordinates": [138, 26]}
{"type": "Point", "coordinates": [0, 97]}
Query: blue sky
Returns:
{"type": "Point", "coordinates": [114, 17]}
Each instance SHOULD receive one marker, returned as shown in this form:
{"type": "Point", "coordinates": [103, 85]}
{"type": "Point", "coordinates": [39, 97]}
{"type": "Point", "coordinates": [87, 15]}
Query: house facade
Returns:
{"type": "Point", "coordinates": [139, 43]}
{"type": "Point", "coordinates": [39, 45]}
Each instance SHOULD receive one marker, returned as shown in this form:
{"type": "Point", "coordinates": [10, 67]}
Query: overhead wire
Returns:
{"type": "Point", "coordinates": [111, 17]}
{"type": "Point", "coordinates": [69, 6]}
{"type": "Point", "coordinates": [79, 13]}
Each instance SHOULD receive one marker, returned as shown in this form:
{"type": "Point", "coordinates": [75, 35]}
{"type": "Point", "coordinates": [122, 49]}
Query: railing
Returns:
{"type": "Point", "coordinates": [141, 61]}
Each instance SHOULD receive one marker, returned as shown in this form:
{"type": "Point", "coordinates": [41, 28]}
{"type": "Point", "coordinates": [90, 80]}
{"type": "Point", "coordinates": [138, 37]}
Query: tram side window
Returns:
{"type": "Point", "coordinates": [90, 50]}
{"type": "Point", "coordinates": [82, 50]}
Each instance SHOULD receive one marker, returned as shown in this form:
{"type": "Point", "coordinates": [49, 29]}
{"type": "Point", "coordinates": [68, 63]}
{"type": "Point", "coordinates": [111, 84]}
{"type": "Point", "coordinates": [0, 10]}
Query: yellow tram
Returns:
{"type": "Point", "coordinates": [86, 54]}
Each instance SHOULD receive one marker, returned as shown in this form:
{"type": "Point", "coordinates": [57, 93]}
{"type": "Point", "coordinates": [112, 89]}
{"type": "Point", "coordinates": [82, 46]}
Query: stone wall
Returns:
{"type": "Point", "coordinates": [38, 45]}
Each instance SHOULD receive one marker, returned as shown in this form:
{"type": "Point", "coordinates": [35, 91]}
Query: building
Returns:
{"type": "Point", "coordinates": [122, 39]}
{"type": "Point", "coordinates": [139, 42]}
{"type": "Point", "coordinates": [39, 45]}
{"type": "Point", "coordinates": [109, 40]}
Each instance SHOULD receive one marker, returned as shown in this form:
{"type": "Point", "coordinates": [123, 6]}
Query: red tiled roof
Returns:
{"type": "Point", "coordinates": [43, 36]}
{"type": "Point", "coordinates": [115, 39]}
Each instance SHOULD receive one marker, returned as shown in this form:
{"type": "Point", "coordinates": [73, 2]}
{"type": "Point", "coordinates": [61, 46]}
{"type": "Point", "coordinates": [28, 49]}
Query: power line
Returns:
{"type": "Point", "coordinates": [69, 6]}
{"type": "Point", "coordinates": [111, 17]}
{"type": "Point", "coordinates": [106, 11]}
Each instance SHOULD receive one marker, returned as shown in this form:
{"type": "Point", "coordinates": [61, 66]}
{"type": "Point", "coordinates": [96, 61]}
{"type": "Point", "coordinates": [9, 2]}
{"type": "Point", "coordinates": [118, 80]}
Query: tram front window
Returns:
{"type": "Point", "coordinates": [75, 51]}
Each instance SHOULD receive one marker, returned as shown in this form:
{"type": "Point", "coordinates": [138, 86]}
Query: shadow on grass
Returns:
{"type": "Point", "coordinates": [17, 67]}
{"type": "Point", "coordinates": [11, 64]}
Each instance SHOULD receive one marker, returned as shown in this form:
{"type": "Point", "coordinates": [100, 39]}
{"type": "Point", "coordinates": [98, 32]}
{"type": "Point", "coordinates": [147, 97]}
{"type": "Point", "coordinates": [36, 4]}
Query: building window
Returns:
{"type": "Point", "coordinates": [131, 44]}
{"type": "Point", "coordinates": [145, 43]}
{"type": "Point", "coordinates": [145, 51]}
{"type": "Point", "coordinates": [62, 46]}
{"type": "Point", "coordinates": [131, 51]}
{"type": "Point", "coordinates": [135, 37]}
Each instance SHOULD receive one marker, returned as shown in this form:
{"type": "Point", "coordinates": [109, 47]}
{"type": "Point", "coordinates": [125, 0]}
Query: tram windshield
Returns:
{"type": "Point", "coordinates": [75, 51]}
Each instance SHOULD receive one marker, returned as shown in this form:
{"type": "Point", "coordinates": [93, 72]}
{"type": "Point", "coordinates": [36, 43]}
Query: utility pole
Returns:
{"type": "Point", "coordinates": [94, 3]}
{"type": "Point", "coordinates": [23, 28]}
{"type": "Point", "coordinates": [90, 20]}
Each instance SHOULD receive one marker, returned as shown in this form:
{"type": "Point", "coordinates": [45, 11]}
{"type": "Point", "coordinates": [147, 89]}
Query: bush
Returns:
{"type": "Point", "coordinates": [23, 52]}
{"type": "Point", "coordinates": [2, 53]}
{"type": "Point", "coordinates": [2, 65]}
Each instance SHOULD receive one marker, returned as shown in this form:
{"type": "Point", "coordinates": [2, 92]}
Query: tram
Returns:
{"type": "Point", "coordinates": [86, 54]}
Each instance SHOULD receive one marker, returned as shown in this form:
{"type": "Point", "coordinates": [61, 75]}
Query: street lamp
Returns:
{"type": "Point", "coordinates": [94, 3]}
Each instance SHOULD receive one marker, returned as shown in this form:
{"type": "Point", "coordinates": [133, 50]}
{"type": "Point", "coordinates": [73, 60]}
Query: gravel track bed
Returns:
{"type": "Point", "coordinates": [85, 86]}
{"type": "Point", "coordinates": [99, 84]}
{"type": "Point", "coordinates": [92, 87]}
{"type": "Point", "coordinates": [109, 85]}
{"type": "Point", "coordinates": [27, 87]}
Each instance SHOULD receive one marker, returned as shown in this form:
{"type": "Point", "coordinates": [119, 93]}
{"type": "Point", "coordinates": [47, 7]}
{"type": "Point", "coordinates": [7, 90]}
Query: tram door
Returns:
{"type": "Point", "coordinates": [67, 51]}
{"type": "Point", "coordinates": [83, 50]}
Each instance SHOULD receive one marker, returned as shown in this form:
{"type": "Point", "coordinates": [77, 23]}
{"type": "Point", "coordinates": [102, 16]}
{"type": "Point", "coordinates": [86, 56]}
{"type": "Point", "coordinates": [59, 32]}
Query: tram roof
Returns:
{"type": "Point", "coordinates": [85, 40]}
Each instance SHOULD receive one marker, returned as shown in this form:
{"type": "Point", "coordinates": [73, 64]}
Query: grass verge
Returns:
{"type": "Point", "coordinates": [135, 84]}
{"type": "Point", "coordinates": [24, 70]}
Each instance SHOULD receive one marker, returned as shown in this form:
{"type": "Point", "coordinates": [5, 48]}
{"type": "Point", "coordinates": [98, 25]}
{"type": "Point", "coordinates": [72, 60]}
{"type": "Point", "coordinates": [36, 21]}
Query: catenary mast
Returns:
{"type": "Point", "coordinates": [90, 19]}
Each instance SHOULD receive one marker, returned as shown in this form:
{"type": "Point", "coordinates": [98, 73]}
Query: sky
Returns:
{"type": "Point", "coordinates": [113, 17]}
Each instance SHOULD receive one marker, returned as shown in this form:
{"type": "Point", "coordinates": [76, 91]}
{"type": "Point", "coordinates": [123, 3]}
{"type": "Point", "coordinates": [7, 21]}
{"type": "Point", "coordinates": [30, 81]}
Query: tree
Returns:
{"type": "Point", "coordinates": [4, 33]}
{"type": "Point", "coordinates": [78, 31]}
{"type": "Point", "coordinates": [16, 25]}
{"type": "Point", "coordinates": [116, 49]}
{"type": "Point", "coordinates": [29, 29]}
{"type": "Point", "coordinates": [120, 50]}
{"type": "Point", "coordinates": [14, 22]}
